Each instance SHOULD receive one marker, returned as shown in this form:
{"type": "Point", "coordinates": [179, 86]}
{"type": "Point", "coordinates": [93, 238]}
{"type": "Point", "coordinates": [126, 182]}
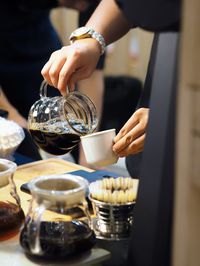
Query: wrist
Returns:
{"type": "Point", "coordinates": [90, 44]}
{"type": "Point", "coordinates": [12, 112]}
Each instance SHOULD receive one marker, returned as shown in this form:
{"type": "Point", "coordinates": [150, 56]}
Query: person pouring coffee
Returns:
{"type": "Point", "coordinates": [110, 21]}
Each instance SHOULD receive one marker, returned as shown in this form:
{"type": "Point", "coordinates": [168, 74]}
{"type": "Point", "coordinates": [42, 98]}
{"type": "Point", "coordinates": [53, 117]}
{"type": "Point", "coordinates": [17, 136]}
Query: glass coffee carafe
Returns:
{"type": "Point", "coordinates": [56, 123]}
{"type": "Point", "coordinates": [11, 213]}
{"type": "Point", "coordinates": [52, 229]}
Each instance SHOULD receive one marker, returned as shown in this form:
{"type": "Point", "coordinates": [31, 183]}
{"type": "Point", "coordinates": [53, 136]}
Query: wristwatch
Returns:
{"type": "Point", "coordinates": [86, 32]}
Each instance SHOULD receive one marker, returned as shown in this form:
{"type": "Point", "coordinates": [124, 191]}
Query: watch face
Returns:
{"type": "Point", "coordinates": [81, 31]}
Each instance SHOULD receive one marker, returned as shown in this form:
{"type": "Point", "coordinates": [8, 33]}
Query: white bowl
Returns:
{"type": "Point", "coordinates": [11, 135]}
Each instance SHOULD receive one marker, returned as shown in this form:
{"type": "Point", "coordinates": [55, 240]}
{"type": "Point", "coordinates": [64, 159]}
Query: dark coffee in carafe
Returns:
{"type": "Point", "coordinates": [11, 213]}
{"type": "Point", "coordinates": [55, 143]}
{"type": "Point", "coordinates": [60, 239]}
{"type": "Point", "coordinates": [54, 137]}
{"type": "Point", "coordinates": [55, 236]}
{"type": "Point", "coordinates": [57, 123]}
{"type": "Point", "coordinates": [11, 219]}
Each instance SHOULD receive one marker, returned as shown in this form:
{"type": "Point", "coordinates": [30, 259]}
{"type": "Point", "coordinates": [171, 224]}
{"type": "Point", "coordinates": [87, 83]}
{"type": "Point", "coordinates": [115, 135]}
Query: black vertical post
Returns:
{"type": "Point", "coordinates": [151, 232]}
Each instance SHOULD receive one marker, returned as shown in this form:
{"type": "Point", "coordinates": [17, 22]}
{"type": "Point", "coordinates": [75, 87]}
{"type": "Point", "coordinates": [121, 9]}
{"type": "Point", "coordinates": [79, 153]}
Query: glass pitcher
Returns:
{"type": "Point", "coordinates": [56, 123]}
{"type": "Point", "coordinates": [11, 213]}
{"type": "Point", "coordinates": [50, 230]}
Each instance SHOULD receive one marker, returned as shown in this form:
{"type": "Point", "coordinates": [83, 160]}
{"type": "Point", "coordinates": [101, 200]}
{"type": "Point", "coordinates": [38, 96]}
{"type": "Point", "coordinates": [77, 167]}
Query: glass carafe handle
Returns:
{"type": "Point", "coordinates": [33, 229]}
{"type": "Point", "coordinates": [43, 89]}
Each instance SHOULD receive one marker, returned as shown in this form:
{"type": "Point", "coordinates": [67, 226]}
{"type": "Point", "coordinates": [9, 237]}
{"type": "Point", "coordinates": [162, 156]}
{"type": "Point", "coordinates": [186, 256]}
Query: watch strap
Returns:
{"type": "Point", "coordinates": [99, 38]}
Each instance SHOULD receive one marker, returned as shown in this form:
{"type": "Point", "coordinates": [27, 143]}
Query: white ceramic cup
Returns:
{"type": "Point", "coordinates": [97, 148]}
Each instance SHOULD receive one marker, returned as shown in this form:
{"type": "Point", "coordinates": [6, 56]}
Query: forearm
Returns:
{"type": "Point", "coordinates": [111, 24]}
{"type": "Point", "coordinates": [13, 113]}
{"type": "Point", "coordinates": [4, 103]}
{"type": "Point", "coordinates": [86, 86]}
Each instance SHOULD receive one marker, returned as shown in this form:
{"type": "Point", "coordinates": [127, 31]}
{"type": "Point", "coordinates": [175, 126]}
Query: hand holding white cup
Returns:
{"type": "Point", "coordinates": [97, 148]}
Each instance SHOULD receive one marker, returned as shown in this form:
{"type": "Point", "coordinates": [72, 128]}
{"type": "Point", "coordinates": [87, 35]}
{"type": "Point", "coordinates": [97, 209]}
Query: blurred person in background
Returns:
{"type": "Point", "coordinates": [8, 111]}
{"type": "Point", "coordinates": [11, 112]}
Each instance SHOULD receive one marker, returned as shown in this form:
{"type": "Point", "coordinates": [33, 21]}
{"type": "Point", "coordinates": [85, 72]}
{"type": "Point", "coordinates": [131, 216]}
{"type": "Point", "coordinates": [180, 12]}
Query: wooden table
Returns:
{"type": "Point", "coordinates": [11, 253]}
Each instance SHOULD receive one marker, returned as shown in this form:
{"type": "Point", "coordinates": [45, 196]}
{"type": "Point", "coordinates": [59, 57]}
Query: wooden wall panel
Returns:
{"type": "Point", "coordinates": [187, 202]}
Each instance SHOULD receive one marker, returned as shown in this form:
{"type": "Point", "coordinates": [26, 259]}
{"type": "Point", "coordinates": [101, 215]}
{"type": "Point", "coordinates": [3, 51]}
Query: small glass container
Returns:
{"type": "Point", "coordinates": [50, 230]}
{"type": "Point", "coordinates": [56, 123]}
{"type": "Point", "coordinates": [11, 213]}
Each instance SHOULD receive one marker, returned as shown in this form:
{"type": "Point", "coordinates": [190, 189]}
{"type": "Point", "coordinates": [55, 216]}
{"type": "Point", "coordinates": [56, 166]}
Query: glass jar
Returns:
{"type": "Point", "coordinates": [50, 230]}
{"type": "Point", "coordinates": [11, 213]}
{"type": "Point", "coordinates": [56, 123]}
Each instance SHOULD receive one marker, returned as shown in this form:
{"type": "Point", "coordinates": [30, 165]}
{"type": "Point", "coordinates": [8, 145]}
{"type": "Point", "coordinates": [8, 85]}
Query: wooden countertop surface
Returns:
{"type": "Point", "coordinates": [28, 171]}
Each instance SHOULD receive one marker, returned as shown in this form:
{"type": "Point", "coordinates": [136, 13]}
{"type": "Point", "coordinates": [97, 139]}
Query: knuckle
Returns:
{"type": "Point", "coordinates": [43, 72]}
{"type": "Point", "coordinates": [128, 139]}
{"type": "Point", "coordinates": [123, 131]}
{"type": "Point", "coordinates": [142, 109]}
{"type": "Point", "coordinates": [54, 54]}
{"type": "Point", "coordinates": [75, 52]}
{"type": "Point", "coordinates": [53, 73]}
{"type": "Point", "coordinates": [140, 112]}
{"type": "Point", "coordinates": [63, 49]}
